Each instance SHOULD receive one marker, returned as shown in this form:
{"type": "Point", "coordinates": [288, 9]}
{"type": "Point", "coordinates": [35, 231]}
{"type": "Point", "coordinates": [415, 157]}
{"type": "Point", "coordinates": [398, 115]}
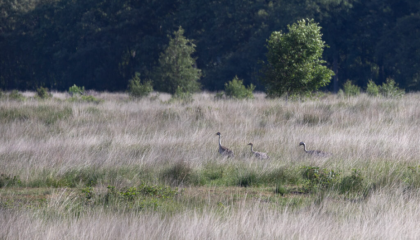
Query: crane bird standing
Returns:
{"type": "Point", "coordinates": [224, 151]}
{"type": "Point", "coordinates": [314, 152]}
{"type": "Point", "coordinates": [259, 155]}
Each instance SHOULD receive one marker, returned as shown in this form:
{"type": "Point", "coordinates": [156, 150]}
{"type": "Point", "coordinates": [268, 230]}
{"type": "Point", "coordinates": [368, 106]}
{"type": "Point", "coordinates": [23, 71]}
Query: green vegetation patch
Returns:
{"type": "Point", "coordinates": [138, 198]}
{"type": "Point", "coordinates": [72, 178]}
{"type": "Point", "coordinates": [9, 180]}
{"type": "Point", "coordinates": [46, 114]}
{"type": "Point", "coordinates": [235, 89]}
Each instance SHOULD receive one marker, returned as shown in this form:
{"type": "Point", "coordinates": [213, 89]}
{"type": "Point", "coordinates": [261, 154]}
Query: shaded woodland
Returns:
{"type": "Point", "coordinates": [101, 44]}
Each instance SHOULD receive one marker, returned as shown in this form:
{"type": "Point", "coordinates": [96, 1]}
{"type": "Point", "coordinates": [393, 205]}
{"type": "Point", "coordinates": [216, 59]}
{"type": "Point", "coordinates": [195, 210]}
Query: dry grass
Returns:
{"type": "Point", "coordinates": [42, 139]}
{"type": "Point", "coordinates": [384, 216]}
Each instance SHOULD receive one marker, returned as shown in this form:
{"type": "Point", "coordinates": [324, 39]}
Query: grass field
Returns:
{"type": "Point", "coordinates": [119, 168]}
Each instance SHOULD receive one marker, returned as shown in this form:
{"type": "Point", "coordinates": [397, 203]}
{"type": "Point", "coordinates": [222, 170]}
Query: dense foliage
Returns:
{"type": "Point", "coordinates": [100, 44]}
{"type": "Point", "coordinates": [176, 70]}
{"type": "Point", "coordinates": [138, 90]}
{"type": "Point", "coordinates": [294, 60]}
{"type": "Point", "coordinates": [235, 89]}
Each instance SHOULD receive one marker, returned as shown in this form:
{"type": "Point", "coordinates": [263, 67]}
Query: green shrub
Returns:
{"type": "Point", "coordinates": [340, 93]}
{"type": "Point", "coordinates": [16, 95]}
{"type": "Point", "coordinates": [235, 89]}
{"type": "Point", "coordinates": [75, 90]}
{"type": "Point", "coordinates": [43, 93]}
{"type": "Point", "coordinates": [7, 180]}
{"type": "Point", "coordinates": [351, 89]}
{"type": "Point", "coordinates": [213, 171]}
{"type": "Point", "coordinates": [318, 179]}
{"type": "Point", "coordinates": [411, 177]}
{"type": "Point", "coordinates": [72, 178]}
{"type": "Point", "coordinates": [135, 198]}
{"type": "Point", "coordinates": [88, 191]}
{"type": "Point", "coordinates": [133, 193]}
{"type": "Point", "coordinates": [183, 96]}
{"type": "Point", "coordinates": [89, 98]}
{"type": "Point", "coordinates": [351, 183]}
{"type": "Point", "coordinates": [372, 89]}
{"type": "Point", "coordinates": [390, 89]}
{"type": "Point", "coordinates": [247, 179]}
{"type": "Point", "coordinates": [179, 173]}
{"type": "Point", "coordinates": [280, 175]}
{"type": "Point", "coordinates": [141, 197]}
{"type": "Point", "coordinates": [138, 90]}
{"type": "Point", "coordinates": [280, 189]}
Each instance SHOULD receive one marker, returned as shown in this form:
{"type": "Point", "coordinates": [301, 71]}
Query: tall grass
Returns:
{"type": "Point", "coordinates": [57, 158]}
{"type": "Point", "coordinates": [386, 215]}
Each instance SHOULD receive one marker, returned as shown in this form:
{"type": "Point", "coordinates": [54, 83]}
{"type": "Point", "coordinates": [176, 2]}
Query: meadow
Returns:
{"type": "Point", "coordinates": [121, 168]}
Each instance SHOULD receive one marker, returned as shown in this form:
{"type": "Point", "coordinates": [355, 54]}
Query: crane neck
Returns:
{"type": "Point", "coordinates": [220, 141]}
{"type": "Point", "coordinates": [252, 149]}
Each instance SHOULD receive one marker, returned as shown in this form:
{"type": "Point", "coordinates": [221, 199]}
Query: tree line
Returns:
{"type": "Point", "coordinates": [102, 44]}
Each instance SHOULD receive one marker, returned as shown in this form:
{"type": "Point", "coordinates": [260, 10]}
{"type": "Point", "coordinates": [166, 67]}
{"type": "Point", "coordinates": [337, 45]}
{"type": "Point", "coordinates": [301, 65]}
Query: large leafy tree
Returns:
{"type": "Point", "coordinates": [294, 60]}
{"type": "Point", "coordinates": [176, 70]}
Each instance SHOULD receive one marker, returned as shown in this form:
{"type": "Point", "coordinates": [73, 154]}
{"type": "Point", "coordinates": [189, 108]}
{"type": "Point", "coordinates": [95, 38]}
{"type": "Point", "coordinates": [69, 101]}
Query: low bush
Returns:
{"type": "Point", "coordinates": [236, 89]}
{"type": "Point", "coordinates": [318, 179]}
{"type": "Point", "coordinates": [279, 175]}
{"type": "Point", "coordinates": [390, 89]}
{"type": "Point", "coordinates": [372, 89]}
{"type": "Point", "coordinates": [411, 177]}
{"type": "Point", "coordinates": [183, 96]}
{"type": "Point", "coordinates": [8, 180]}
{"type": "Point", "coordinates": [179, 173]}
{"type": "Point", "coordinates": [247, 179]}
{"type": "Point", "coordinates": [213, 172]}
{"type": "Point", "coordinates": [140, 197]}
{"type": "Point", "coordinates": [352, 183]}
{"type": "Point", "coordinates": [75, 90]}
{"type": "Point", "coordinates": [90, 99]}
{"type": "Point", "coordinates": [138, 90]}
{"type": "Point", "coordinates": [16, 95]}
{"type": "Point", "coordinates": [71, 179]}
{"type": "Point", "coordinates": [350, 89]}
{"type": "Point", "coordinates": [280, 189]}
{"type": "Point", "coordinates": [162, 192]}
{"type": "Point", "coordinates": [43, 93]}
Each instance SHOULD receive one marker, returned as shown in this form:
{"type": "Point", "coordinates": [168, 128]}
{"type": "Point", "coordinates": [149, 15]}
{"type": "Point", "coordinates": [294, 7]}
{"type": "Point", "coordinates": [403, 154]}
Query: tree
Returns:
{"type": "Point", "coordinates": [177, 71]}
{"type": "Point", "coordinates": [294, 61]}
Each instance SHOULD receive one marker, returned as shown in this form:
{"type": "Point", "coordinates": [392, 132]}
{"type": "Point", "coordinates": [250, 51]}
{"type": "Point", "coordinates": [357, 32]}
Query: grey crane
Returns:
{"type": "Point", "coordinates": [224, 151]}
{"type": "Point", "coordinates": [314, 152]}
{"type": "Point", "coordinates": [259, 155]}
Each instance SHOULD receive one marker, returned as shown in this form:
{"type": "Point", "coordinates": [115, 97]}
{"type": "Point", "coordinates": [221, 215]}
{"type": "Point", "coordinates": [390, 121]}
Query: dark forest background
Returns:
{"type": "Point", "coordinates": [100, 44]}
